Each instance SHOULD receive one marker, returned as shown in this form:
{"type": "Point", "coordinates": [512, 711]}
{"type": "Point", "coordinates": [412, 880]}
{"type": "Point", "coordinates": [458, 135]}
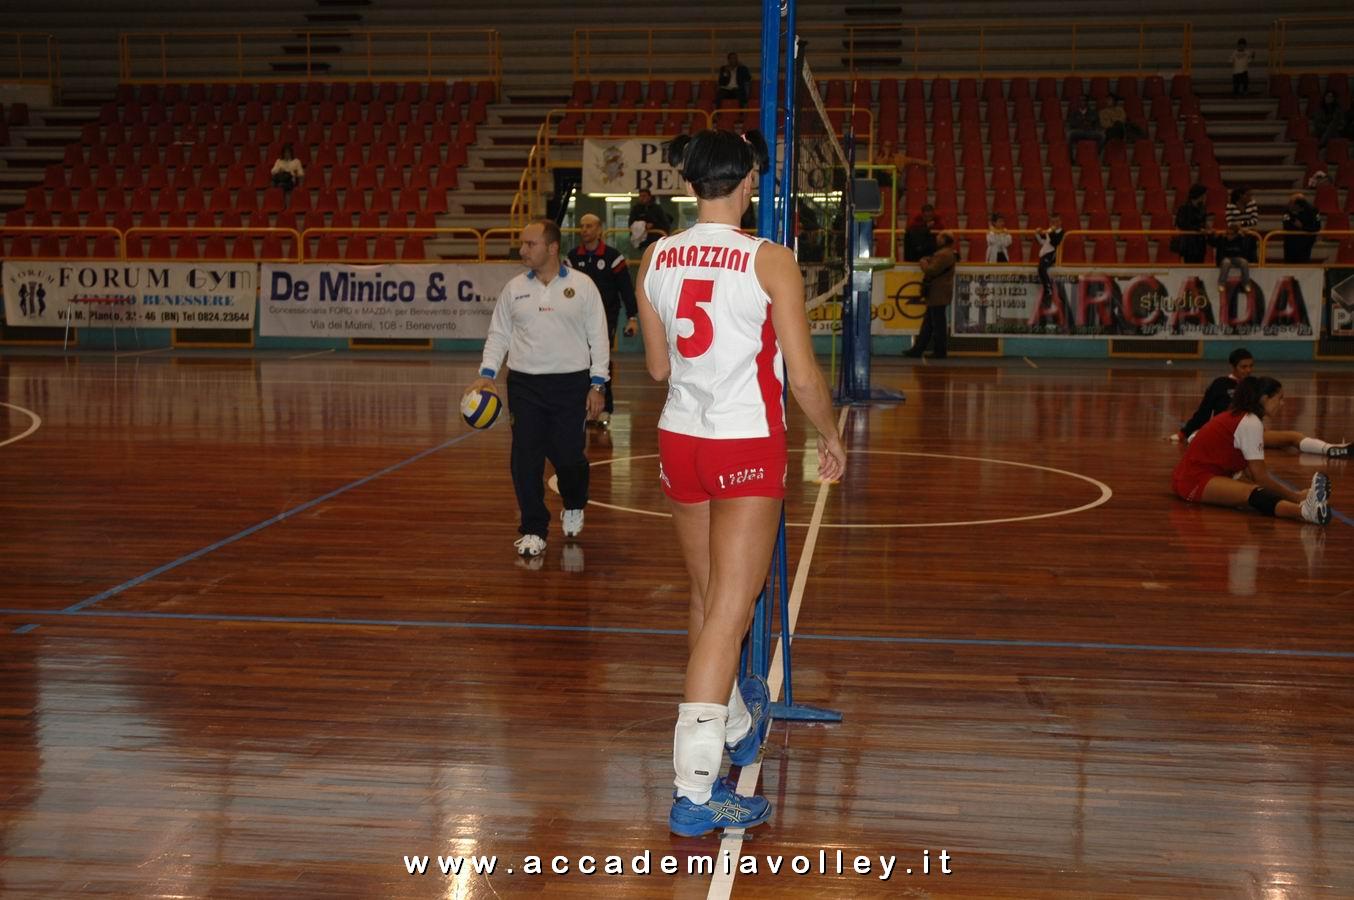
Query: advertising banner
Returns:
{"type": "Point", "coordinates": [147, 295]}
{"type": "Point", "coordinates": [1276, 304]}
{"type": "Point", "coordinates": [627, 166]}
{"type": "Point", "coordinates": [422, 300]}
{"type": "Point", "coordinates": [1340, 302]}
{"type": "Point", "coordinates": [896, 305]}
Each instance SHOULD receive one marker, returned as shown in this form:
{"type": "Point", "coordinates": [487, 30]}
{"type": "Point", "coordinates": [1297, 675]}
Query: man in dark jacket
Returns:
{"type": "Point", "coordinates": [1301, 216]}
{"type": "Point", "coordinates": [919, 240]}
{"type": "Point", "coordinates": [607, 268]}
{"type": "Point", "coordinates": [1192, 217]}
{"type": "Point", "coordinates": [734, 81]}
{"type": "Point", "coordinates": [657, 223]}
{"type": "Point", "coordinates": [938, 291]}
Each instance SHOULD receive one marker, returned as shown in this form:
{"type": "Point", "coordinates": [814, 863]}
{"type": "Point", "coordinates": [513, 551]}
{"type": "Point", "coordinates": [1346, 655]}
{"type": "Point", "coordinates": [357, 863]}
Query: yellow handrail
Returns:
{"type": "Point", "coordinates": [209, 56]}
{"type": "Point", "coordinates": [1329, 235]}
{"type": "Point", "coordinates": [148, 231]}
{"type": "Point", "coordinates": [888, 50]}
{"type": "Point", "coordinates": [1280, 40]}
{"type": "Point", "coordinates": [30, 57]}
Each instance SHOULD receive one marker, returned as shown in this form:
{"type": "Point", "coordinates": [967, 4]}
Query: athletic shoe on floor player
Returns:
{"type": "Point", "coordinates": [1338, 451]}
{"type": "Point", "coordinates": [725, 809]}
{"type": "Point", "coordinates": [1316, 508]}
{"type": "Point", "coordinates": [571, 520]}
{"type": "Point", "coordinates": [529, 545]}
{"type": "Point", "coordinates": [757, 698]}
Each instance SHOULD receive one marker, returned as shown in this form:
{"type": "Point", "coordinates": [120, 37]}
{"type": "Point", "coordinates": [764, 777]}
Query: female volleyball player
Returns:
{"type": "Point", "coordinates": [1225, 462]}
{"type": "Point", "coordinates": [718, 310]}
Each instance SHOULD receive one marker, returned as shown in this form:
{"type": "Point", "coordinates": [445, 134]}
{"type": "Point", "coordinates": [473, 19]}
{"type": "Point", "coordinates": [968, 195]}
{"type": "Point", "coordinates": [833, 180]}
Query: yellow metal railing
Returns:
{"type": "Point", "coordinates": [281, 54]}
{"type": "Point", "coordinates": [28, 57]}
{"type": "Point", "coordinates": [1308, 41]}
{"type": "Point", "coordinates": [1038, 46]}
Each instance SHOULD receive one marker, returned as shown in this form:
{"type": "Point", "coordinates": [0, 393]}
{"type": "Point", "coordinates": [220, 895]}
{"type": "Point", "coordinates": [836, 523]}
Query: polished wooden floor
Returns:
{"type": "Point", "coordinates": [262, 634]}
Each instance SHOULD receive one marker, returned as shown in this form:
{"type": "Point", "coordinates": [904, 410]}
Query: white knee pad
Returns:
{"type": "Point", "coordinates": [698, 748]}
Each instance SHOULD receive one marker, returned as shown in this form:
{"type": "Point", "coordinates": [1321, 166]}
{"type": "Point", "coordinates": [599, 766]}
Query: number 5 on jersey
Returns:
{"type": "Point", "coordinates": [696, 291]}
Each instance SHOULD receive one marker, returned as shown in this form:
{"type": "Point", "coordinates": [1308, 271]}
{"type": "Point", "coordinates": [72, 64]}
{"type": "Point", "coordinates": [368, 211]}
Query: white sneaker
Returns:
{"type": "Point", "coordinates": [571, 520]}
{"type": "Point", "coordinates": [1316, 508]}
{"type": "Point", "coordinates": [529, 545]}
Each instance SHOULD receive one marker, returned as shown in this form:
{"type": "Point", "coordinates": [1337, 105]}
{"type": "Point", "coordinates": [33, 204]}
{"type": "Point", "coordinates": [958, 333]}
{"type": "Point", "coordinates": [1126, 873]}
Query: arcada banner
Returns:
{"type": "Point", "coordinates": [628, 166]}
{"type": "Point", "coordinates": [150, 295]}
{"type": "Point", "coordinates": [1276, 304]}
{"type": "Point", "coordinates": [399, 301]}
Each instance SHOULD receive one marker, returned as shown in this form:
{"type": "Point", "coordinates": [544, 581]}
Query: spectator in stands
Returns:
{"type": "Point", "coordinates": [287, 170]}
{"type": "Point", "coordinates": [656, 221]}
{"type": "Point", "coordinates": [919, 240]}
{"type": "Point", "coordinates": [1192, 217]}
{"type": "Point", "coordinates": [1329, 120]}
{"type": "Point", "coordinates": [1114, 121]}
{"type": "Point", "coordinates": [1300, 217]}
{"type": "Point", "coordinates": [1083, 124]}
{"type": "Point", "coordinates": [1230, 247]}
{"type": "Point", "coordinates": [890, 155]}
{"type": "Point", "coordinates": [1244, 212]}
{"type": "Point", "coordinates": [812, 239]}
{"type": "Point", "coordinates": [1242, 57]}
{"type": "Point", "coordinates": [998, 240]}
{"type": "Point", "coordinates": [1049, 239]}
{"type": "Point", "coordinates": [734, 81]}
{"type": "Point", "coordinates": [937, 287]}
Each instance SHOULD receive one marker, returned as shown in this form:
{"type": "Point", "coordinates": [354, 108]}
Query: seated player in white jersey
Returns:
{"type": "Point", "coordinates": [1225, 462]}
{"type": "Point", "coordinates": [1218, 398]}
{"type": "Point", "coordinates": [718, 309]}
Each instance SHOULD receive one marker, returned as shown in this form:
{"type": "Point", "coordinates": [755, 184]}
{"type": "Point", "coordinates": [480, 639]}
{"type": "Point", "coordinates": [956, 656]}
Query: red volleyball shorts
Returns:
{"type": "Point", "coordinates": [1189, 482]}
{"type": "Point", "coordinates": [694, 470]}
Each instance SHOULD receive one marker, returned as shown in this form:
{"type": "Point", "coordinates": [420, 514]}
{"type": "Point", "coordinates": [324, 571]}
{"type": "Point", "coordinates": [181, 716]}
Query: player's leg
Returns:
{"type": "Point", "coordinates": [742, 536]}
{"type": "Point", "coordinates": [1245, 494]}
{"type": "Point", "coordinates": [692, 521]}
{"type": "Point", "coordinates": [1296, 440]}
{"type": "Point", "coordinates": [530, 421]}
{"type": "Point", "coordinates": [612, 311]}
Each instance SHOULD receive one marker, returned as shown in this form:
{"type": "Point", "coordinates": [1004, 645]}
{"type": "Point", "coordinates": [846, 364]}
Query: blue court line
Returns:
{"type": "Point", "coordinates": [675, 632]}
{"type": "Point", "coordinates": [1335, 513]}
{"type": "Point", "coordinates": [280, 517]}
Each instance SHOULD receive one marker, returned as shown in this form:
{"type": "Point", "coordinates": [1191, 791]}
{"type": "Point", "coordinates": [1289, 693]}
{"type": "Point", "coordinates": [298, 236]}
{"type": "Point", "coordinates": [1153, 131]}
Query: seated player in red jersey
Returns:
{"type": "Point", "coordinates": [1225, 462]}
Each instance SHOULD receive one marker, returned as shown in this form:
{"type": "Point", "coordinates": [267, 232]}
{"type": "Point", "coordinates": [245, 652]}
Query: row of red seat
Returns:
{"type": "Point", "coordinates": [164, 137]}
{"type": "Point", "coordinates": [357, 248]}
{"type": "Point", "coordinates": [350, 200]}
{"type": "Point", "coordinates": [125, 220]}
{"type": "Point", "coordinates": [349, 113]}
{"type": "Point", "coordinates": [240, 92]}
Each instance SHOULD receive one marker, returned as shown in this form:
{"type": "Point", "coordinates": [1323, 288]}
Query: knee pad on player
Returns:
{"type": "Point", "coordinates": [1264, 500]}
{"type": "Point", "coordinates": [698, 748]}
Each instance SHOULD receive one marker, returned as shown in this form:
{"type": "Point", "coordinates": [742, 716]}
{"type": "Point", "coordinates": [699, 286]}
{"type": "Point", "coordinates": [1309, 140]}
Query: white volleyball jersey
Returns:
{"type": "Point", "coordinates": [726, 362]}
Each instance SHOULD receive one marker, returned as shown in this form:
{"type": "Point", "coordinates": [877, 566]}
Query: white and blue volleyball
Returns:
{"type": "Point", "coordinates": [480, 409]}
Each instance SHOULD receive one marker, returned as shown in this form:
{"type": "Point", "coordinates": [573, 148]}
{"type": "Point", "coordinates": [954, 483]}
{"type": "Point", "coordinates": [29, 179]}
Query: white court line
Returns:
{"type": "Point", "coordinates": [1029, 362]}
{"type": "Point", "coordinates": [731, 845]}
{"type": "Point", "coordinates": [309, 355]}
{"type": "Point", "coordinates": [37, 423]}
{"type": "Point", "coordinates": [1106, 492]}
{"type": "Point", "coordinates": [142, 352]}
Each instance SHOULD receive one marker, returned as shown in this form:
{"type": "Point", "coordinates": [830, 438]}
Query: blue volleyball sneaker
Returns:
{"type": "Point", "coordinates": [757, 698]}
{"type": "Point", "coordinates": [724, 809]}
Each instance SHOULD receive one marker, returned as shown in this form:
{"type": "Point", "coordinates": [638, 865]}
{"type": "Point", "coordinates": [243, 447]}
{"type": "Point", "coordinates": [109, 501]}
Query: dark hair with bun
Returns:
{"type": "Point", "coordinates": [715, 162]}
{"type": "Point", "coordinates": [1251, 391]}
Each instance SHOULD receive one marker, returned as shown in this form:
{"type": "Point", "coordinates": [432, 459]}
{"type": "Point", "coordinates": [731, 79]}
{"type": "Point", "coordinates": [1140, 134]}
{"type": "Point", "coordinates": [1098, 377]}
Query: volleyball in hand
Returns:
{"type": "Point", "coordinates": [480, 409]}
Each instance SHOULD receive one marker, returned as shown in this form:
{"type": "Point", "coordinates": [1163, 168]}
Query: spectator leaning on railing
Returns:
{"type": "Point", "coordinates": [1244, 212]}
{"type": "Point", "coordinates": [1302, 217]}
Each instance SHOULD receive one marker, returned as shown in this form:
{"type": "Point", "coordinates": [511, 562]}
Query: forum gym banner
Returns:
{"type": "Point", "coordinates": [1340, 302]}
{"type": "Point", "coordinates": [420, 300]}
{"type": "Point", "coordinates": [1277, 304]}
{"type": "Point", "coordinates": [628, 166]}
{"type": "Point", "coordinates": [147, 295]}
{"type": "Point", "coordinates": [896, 302]}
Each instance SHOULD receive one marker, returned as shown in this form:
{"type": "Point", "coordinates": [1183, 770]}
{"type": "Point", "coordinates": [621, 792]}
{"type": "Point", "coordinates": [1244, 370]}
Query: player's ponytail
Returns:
{"type": "Point", "coordinates": [1252, 391]}
{"type": "Point", "coordinates": [716, 162]}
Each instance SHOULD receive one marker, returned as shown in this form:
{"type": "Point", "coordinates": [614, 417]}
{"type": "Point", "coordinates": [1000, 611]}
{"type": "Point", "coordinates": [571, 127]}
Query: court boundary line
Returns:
{"type": "Point", "coordinates": [36, 419]}
{"type": "Point", "coordinates": [259, 526]}
{"type": "Point", "coordinates": [635, 631]}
